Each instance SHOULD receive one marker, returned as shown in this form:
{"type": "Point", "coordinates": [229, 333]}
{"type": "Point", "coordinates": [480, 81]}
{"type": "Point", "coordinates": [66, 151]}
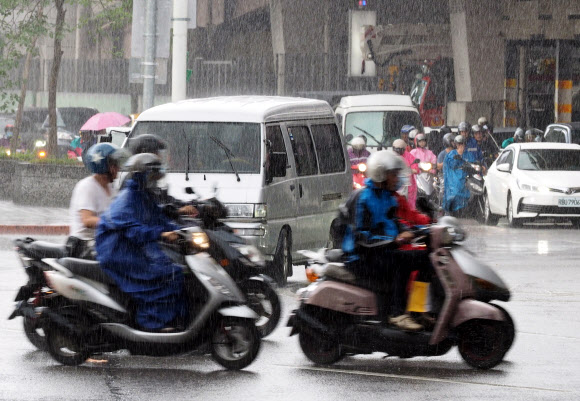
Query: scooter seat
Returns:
{"type": "Point", "coordinates": [43, 249]}
{"type": "Point", "coordinates": [87, 268]}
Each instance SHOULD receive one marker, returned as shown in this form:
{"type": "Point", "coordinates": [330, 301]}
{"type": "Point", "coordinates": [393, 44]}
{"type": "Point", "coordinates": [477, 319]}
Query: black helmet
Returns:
{"type": "Point", "coordinates": [146, 143]}
{"type": "Point", "coordinates": [445, 129]}
{"type": "Point", "coordinates": [519, 135]}
{"type": "Point", "coordinates": [448, 140]}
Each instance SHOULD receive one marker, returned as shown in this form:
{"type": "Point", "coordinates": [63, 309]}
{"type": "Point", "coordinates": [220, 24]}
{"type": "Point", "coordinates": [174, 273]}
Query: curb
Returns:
{"type": "Point", "coordinates": [34, 229]}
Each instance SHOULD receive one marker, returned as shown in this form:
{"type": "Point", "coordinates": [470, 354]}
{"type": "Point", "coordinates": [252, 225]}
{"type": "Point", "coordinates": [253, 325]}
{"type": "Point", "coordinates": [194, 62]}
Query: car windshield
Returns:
{"type": "Point", "coordinates": [549, 159]}
{"type": "Point", "coordinates": [205, 155]}
{"type": "Point", "coordinates": [380, 126]}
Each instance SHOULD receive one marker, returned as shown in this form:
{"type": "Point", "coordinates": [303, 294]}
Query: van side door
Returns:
{"type": "Point", "coordinates": [280, 190]}
{"type": "Point", "coordinates": [309, 220]}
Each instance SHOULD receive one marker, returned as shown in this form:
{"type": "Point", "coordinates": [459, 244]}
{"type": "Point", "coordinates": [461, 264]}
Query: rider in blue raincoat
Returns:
{"type": "Point", "coordinates": [128, 250]}
{"type": "Point", "coordinates": [456, 195]}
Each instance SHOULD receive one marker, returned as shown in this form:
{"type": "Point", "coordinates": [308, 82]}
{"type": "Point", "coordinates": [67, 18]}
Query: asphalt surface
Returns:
{"type": "Point", "coordinates": [540, 263]}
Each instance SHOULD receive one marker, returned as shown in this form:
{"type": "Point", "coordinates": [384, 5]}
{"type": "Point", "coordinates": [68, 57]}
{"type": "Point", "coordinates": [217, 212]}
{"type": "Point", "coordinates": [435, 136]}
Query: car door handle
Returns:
{"type": "Point", "coordinates": [300, 189]}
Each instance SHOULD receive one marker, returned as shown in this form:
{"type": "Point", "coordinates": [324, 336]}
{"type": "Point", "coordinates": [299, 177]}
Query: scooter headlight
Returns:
{"type": "Point", "coordinates": [425, 166]}
{"type": "Point", "coordinates": [362, 167]}
{"type": "Point", "coordinates": [199, 241]}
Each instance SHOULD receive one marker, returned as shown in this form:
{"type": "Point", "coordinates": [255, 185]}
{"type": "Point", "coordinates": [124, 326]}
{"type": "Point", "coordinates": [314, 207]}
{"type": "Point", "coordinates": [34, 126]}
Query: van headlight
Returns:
{"type": "Point", "coordinates": [247, 210]}
{"type": "Point", "coordinates": [251, 253]}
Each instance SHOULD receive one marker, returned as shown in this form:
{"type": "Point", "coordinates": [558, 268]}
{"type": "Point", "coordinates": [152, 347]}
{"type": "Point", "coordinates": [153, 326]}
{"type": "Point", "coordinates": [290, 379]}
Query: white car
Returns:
{"type": "Point", "coordinates": [530, 180]}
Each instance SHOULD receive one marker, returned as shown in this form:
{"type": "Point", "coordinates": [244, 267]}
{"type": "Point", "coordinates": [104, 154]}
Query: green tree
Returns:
{"type": "Point", "coordinates": [22, 22]}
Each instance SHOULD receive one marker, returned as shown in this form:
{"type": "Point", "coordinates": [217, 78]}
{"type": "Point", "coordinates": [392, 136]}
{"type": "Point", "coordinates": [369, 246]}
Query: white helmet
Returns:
{"type": "Point", "coordinates": [482, 121]}
{"type": "Point", "coordinates": [413, 133]}
{"type": "Point", "coordinates": [358, 143]}
{"type": "Point", "coordinates": [380, 163]}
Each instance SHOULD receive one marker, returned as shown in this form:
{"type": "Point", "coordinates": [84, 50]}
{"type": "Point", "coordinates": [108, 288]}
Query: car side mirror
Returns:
{"type": "Point", "coordinates": [504, 167]}
{"type": "Point", "coordinates": [348, 138]}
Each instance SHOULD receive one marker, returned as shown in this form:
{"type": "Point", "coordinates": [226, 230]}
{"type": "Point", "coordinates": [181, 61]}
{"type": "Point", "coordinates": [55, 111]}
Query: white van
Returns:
{"type": "Point", "coordinates": [278, 163]}
{"type": "Point", "coordinates": [379, 118]}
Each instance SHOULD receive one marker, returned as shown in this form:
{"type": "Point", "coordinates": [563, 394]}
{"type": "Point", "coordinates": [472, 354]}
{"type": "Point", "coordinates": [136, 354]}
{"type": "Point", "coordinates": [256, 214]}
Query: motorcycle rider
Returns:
{"type": "Point", "coordinates": [424, 179]}
{"type": "Point", "coordinates": [519, 136]}
{"type": "Point", "coordinates": [128, 250]}
{"type": "Point", "coordinates": [375, 221]}
{"type": "Point", "coordinates": [149, 143]}
{"type": "Point", "coordinates": [455, 195]}
{"type": "Point", "coordinates": [472, 145]}
{"type": "Point", "coordinates": [400, 147]}
{"type": "Point", "coordinates": [405, 135]}
{"type": "Point", "coordinates": [448, 144]}
{"type": "Point", "coordinates": [92, 195]}
{"type": "Point", "coordinates": [358, 152]}
{"type": "Point", "coordinates": [412, 134]}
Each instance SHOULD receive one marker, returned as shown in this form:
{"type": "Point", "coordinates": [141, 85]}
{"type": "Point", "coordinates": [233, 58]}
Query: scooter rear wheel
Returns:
{"type": "Point", "coordinates": [483, 343]}
{"type": "Point", "coordinates": [66, 347]}
{"type": "Point", "coordinates": [235, 343]}
{"type": "Point", "coordinates": [34, 333]}
{"type": "Point", "coordinates": [320, 349]}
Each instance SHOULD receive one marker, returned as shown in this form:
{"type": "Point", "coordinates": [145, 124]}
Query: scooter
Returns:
{"type": "Point", "coordinates": [243, 262]}
{"type": "Point", "coordinates": [35, 294]}
{"type": "Point", "coordinates": [95, 316]}
{"type": "Point", "coordinates": [337, 316]}
{"type": "Point", "coordinates": [474, 182]}
{"type": "Point", "coordinates": [427, 192]}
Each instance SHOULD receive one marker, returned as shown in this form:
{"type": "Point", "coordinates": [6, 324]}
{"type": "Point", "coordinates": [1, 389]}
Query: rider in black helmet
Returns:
{"type": "Point", "coordinates": [149, 143]}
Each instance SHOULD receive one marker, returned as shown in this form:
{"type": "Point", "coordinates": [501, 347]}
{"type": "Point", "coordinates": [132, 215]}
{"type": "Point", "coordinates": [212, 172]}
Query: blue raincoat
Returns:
{"type": "Point", "coordinates": [472, 152]}
{"type": "Point", "coordinates": [127, 248]}
{"type": "Point", "coordinates": [456, 195]}
{"type": "Point", "coordinates": [371, 221]}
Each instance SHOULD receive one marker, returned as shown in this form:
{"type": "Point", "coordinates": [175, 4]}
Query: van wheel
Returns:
{"type": "Point", "coordinates": [282, 264]}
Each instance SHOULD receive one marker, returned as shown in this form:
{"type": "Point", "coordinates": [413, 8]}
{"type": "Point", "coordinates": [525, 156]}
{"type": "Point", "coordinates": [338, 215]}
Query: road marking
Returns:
{"type": "Point", "coordinates": [548, 335]}
{"type": "Point", "coordinates": [419, 378]}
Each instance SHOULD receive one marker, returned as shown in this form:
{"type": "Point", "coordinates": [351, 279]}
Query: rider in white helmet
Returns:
{"type": "Point", "coordinates": [375, 221]}
{"type": "Point", "coordinates": [358, 153]}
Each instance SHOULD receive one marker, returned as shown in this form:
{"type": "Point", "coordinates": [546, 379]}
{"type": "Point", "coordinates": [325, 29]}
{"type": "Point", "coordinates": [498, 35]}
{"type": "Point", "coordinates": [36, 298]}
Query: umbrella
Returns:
{"type": "Point", "coordinates": [101, 121]}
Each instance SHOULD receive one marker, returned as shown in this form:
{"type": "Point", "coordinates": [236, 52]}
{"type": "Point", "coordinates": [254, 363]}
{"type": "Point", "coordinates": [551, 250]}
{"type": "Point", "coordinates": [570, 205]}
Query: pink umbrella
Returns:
{"type": "Point", "coordinates": [104, 120]}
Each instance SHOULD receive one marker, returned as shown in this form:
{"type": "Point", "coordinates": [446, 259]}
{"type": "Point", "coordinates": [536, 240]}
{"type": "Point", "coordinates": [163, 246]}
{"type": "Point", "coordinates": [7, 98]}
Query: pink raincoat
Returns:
{"type": "Point", "coordinates": [412, 192]}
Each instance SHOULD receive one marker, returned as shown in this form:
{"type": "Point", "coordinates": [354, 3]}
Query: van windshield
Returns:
{"type": "Point", "coordinates": [380, 126]}
{"type": "Point", "coordinates": [206, 156]}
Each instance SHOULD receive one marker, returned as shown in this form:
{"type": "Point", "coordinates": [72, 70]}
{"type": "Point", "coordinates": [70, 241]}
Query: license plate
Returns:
{"type": "Point", "coordinates": [569, 202]}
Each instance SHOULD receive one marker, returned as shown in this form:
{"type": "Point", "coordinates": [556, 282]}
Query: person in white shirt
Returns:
{"type": "Point", "coordinates": [92, 195]}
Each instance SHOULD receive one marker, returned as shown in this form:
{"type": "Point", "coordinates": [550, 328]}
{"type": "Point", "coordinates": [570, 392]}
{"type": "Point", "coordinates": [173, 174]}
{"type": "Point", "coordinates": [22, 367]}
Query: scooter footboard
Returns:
{"type": "Point", "coordinates": [241, 311]}
{"type": "Point", "coordinates": [469, 309]}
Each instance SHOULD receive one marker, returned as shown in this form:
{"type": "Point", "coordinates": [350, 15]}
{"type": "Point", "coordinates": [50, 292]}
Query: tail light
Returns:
{"type": "Point", "coordinates": [311, 275]}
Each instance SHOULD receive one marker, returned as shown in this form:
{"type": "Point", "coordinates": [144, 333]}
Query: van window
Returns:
{"type": "Point", "coordinates": [328, 148]}
{"type": "Point", "coordinates": [210, 145]}
{"type": "Point", "coordinates": [278, 159]}
{"type": "Point", "coordinates": [380, 127]}
{"type": "Point", "coordinates": [303, 150]}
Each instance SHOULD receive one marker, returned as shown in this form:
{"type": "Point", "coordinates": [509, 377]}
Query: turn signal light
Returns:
{"type": "Point", "coordinates": [310, 275]}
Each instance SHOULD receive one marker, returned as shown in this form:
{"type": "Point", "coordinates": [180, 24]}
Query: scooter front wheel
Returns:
{"type": "Point", "coordinates": [484, 343]}
{"type": "Point", "coordinates": [320, 349]}
{"type": "Point", "coordinates": [263, 300]}
{"type": "Point", "coordinates": [235, 343]}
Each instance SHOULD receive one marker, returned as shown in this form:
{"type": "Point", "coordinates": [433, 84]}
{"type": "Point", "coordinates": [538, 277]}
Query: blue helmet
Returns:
{"type": "Point", "coordinates": [406, 129]}
{"type": "Point", "coordinates": [101, 156]}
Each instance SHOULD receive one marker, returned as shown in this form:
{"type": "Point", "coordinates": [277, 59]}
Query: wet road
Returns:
{"type": "Point", "coordinates": [540, 263]}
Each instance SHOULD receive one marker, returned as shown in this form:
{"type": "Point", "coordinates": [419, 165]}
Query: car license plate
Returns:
{"type": "Point", "coordinates": [569, 202]}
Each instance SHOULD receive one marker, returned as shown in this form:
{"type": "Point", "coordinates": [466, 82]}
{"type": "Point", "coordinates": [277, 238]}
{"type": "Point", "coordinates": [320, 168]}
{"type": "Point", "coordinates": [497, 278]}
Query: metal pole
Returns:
{"type": "Point", "coordinates": [178, 69]}
{"type": "Point", "coordinates": [149, 59]}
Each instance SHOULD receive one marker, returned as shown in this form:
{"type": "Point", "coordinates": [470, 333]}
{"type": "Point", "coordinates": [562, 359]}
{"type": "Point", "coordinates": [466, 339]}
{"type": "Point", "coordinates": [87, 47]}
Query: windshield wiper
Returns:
{"type": "Point", "coordinates": [228, 152]}
{"type": "Point", "coordinates": [187, 167]}
{"type": "Point", "coordinates": [366, 133]}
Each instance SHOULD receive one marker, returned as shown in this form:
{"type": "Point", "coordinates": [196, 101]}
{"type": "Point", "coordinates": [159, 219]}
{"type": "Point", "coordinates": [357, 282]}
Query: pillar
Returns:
{"type": "Point", "coordinates": [563, 95]}
{"type": "Point", "coordinates": [510, 114]}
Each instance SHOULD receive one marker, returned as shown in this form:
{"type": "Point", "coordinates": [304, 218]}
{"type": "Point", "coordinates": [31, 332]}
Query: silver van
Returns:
{"type": "Point", "coordinates": [279, 164]}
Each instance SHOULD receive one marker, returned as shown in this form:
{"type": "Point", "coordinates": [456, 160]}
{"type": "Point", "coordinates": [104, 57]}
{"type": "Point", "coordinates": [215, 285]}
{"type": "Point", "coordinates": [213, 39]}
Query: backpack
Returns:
{"type": "Point", "coordinates": [345, 218]}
